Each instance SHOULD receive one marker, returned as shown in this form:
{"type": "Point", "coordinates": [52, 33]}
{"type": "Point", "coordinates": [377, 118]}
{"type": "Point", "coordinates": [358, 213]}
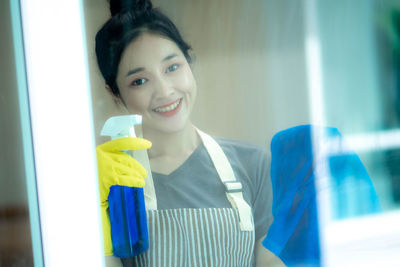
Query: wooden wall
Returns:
{"type": "Point", "coordinates": [249, 65]}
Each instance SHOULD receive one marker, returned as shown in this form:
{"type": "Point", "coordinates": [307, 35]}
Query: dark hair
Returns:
{"type": "Point", "coordinates": [131, 18]}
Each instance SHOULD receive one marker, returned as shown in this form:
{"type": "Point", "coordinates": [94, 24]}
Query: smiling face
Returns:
{"type": "Point", "coordinates": [156, 81]}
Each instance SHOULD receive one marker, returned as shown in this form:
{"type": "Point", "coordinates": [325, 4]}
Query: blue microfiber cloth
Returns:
{"type": "Point", "coordinates": [294, 234]}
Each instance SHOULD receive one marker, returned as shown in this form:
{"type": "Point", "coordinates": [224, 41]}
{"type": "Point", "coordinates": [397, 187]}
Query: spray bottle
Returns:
{"type": "Point", "coordinates": [128, 221]}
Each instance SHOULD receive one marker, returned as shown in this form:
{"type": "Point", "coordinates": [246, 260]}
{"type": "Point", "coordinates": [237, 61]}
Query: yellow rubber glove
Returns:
{"type": "Point", "coordinates": [117, 168]}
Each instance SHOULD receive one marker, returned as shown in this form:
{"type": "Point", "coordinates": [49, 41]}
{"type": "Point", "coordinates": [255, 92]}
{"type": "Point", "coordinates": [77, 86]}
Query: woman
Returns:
{"type": "Point", "coordinates": [213, 195]}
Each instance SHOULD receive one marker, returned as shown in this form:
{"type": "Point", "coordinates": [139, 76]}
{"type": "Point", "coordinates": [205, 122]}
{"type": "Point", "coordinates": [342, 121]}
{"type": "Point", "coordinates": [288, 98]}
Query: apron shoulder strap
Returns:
{"type": "Point", "coordinates": [232, 185]}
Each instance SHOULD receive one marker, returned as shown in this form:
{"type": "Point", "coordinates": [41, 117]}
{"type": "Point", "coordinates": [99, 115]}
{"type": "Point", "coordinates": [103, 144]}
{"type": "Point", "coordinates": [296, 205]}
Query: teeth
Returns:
{"type": "Point", "coordinates": [169, 108]}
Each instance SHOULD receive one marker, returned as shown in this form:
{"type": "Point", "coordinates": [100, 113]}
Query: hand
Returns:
{"type": "Point", "coordinates": [116, 167]}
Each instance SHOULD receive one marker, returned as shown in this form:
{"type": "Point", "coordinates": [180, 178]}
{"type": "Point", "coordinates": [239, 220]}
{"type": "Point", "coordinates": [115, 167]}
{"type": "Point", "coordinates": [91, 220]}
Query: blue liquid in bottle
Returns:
{"type": "Point", "coordinates": [128, 221]}
{"type": "Point", "coordinates": [126, 204]}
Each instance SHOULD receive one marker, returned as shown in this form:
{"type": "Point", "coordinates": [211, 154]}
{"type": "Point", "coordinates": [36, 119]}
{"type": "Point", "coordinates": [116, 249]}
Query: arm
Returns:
{"type": "Point", "coordinates": [264, 257]}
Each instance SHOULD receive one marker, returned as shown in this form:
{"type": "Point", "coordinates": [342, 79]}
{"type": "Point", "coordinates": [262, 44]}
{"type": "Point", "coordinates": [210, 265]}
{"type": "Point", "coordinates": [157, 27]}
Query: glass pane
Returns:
{"type": "Point", "coordinates": [265, 67]}
{"type": "Point", "coordinates": [360, 80]}
{"type": "Point", "coordinates": [361, 84]}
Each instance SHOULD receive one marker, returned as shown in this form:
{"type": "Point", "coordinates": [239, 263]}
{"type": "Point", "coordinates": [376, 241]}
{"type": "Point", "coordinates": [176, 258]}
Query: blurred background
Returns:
{"type": "Point", "coordinates": [15, 235]}
{"type": "Point", "coordinates": [252, 65]}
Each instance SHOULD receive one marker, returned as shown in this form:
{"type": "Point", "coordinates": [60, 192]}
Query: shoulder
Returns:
{"type": "Point", "coordinates": [247, 153]}
{"type": "Point", "coordinates": [237, 146]}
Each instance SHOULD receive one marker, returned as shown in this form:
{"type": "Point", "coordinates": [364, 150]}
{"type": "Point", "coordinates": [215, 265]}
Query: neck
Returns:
{"type": "Point", "coordinates": [175, 144]}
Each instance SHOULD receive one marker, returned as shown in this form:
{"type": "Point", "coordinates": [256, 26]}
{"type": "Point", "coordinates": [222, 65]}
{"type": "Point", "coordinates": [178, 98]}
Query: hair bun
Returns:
{"type": "Point", "coordinates": [123, 6]}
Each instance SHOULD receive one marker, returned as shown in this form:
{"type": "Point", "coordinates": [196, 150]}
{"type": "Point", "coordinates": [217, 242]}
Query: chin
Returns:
{"type": "Point", "coordinates": [173, 124]}
{"type": "Point", "coordinates": [167, 127]}
{"type": "Point", "coordinates": [173, 127]}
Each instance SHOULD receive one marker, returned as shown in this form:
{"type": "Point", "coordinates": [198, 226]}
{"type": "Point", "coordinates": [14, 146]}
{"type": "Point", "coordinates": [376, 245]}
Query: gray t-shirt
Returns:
{"type": "Point", "coordinates": [195, 184]}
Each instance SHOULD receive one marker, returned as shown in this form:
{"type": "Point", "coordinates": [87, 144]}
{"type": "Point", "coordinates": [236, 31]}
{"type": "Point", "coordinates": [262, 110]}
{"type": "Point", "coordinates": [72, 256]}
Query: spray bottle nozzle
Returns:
{"type": "Point", "coordinates": [121, 126]}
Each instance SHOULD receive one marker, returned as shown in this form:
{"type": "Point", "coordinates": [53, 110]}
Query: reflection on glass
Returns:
{"type": "Point", "coordinates": [360, 80]}
{"type": "Point", "coordinates": [360, 51]}
{"type": "Point", "coordinates": [387, 31]}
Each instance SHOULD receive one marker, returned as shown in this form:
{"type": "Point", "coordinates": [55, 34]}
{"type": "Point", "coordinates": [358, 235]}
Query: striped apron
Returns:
{"type": "Point", "coordinates": [200, 237]}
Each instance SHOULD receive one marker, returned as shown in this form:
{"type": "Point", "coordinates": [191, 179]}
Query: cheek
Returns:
{"type": "Point", "coordinates": [136, 101]}
{"type": "Point", "coordinates": [187, 81]}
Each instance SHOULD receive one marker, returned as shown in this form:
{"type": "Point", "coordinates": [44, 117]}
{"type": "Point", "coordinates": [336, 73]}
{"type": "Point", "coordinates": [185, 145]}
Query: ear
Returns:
{"type": "Point", "coordinates": [108, 88]}
{"type": "Point", "coordinates": [117, 99]}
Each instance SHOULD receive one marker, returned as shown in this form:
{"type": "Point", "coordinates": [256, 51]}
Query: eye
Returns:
{"type": "Point", "coordinates": [139, 82]}
{"type": "Point", "coordinates": [173, 67]}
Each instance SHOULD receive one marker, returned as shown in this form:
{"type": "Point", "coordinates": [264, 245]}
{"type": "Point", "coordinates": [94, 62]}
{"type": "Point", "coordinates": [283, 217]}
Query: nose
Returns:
{"type": "Point", "coordinates": [162, 87]}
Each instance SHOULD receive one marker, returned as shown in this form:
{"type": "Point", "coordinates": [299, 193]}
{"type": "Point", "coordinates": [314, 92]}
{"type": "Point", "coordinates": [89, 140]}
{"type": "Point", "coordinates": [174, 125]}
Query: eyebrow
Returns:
{"type": "Point", "coordinates": [169, 57]}
{"type": "Point", "coordinates": [134, 71]}
{"type": "Point", "coordinates": [142, 69]}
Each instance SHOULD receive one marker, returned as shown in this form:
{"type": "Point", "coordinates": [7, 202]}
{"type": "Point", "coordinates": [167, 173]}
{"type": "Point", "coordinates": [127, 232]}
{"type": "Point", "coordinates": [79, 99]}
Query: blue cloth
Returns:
{"type": "Point", "coordinates": [294, 234]}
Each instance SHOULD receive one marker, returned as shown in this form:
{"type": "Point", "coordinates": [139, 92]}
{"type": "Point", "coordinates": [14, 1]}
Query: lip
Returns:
{"type": "Point", "coordinates": [169, 113]}
{"type": "Point", "coordinates": [168, 104]}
